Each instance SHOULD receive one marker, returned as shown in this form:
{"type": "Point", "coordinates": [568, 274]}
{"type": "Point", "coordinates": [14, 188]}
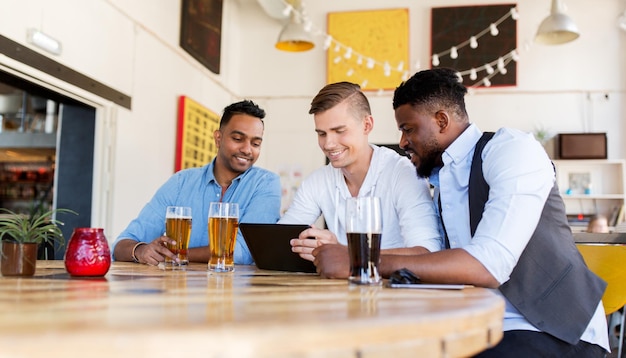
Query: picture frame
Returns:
{"type": "Point", "coordinates": [452, 26]}
{"type": "Point", "coordinates": [195, 145]}
{"type": "Point", "coordinates": [201, 31]}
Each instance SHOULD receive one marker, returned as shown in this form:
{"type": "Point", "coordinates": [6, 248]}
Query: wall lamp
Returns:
{"type": "Point", "coordinates": [43, 41]}
{"type": "Point", "coordinates": [295, 37]}
{"type": "Point", "coordinates": [557, 28]}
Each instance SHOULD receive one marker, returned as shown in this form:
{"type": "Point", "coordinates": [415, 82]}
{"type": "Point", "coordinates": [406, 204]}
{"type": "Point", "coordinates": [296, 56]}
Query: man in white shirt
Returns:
{"type": "Point", "coordinates": [515, 241]}
{"type": "Point", "coordinates": [343, 122]}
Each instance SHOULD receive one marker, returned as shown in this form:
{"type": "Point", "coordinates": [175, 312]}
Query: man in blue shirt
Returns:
{"type": "Point", "coordinates": [230, 177]}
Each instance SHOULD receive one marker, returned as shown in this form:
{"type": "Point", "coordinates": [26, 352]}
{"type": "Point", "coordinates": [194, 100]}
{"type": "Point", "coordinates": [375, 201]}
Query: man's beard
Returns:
{"type": "Point", "coordinates": [430, 161]}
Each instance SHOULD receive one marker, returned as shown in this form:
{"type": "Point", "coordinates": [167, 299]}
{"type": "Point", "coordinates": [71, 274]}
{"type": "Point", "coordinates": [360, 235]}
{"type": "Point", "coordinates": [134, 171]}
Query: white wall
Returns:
{"type": "Point", "coordinates": [132, 46]}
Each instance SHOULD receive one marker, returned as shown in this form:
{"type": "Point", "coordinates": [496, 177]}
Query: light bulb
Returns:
{"type": "Point", "coordinates": [435, 60]}
{"type": "Point", "coordinates": [405, 76]}
{"type": "Point", "coordinates": [337, 47]}
{"type": "Point", "coordinates": [337, 59]}
{"type": "Point", "coordinates": [514, 55]}
{"type": "Point", "coordinates": [486, 82]}
{"type": "Point", "coordinates": [348, 53]}
{"type": "Point", "coordinates": [350, 72]}
{"type": "Point", "coordinates": [473, 42]}
{"type": "Point", "coordinates": [514, 14]}
{"type": "Point", "coordinates": [453, 53]}
{"type": "Point", "coordinates": [370, 63]}
{"type": "Point", "coordinates": [473, 75]}
{"type": "Point", "coordinates": [387, 69]}
{"type": "Point", "coordinates": [500, 64]}
{"type": "Point", "coordinates": [488, 68]}
{"type": "Point", "coordinates": [494, 30]}
{"type": "Point", "coordinates": [359, 60]}
{"type": "Point", "coordinates": [364, 83]}
{"type": "Point", "coordinates": [400, 66]}
{"type": "Point", "coordinates": [460, 77]}
{"type": "Point", "coordinates": [327, 42]}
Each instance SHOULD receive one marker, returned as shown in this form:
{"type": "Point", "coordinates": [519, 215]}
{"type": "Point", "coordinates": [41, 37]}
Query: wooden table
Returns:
{"type": "Point", "coordinates": [144, 311]}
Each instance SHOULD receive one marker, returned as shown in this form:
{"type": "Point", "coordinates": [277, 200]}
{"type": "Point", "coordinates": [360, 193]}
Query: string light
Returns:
{"type": "Point", "coordinates": [494, 30]}
{"type": "Point", "coordinates": [473, 42]}
{"type": "Point", "coordinates": [436, 60]}
{"type": "Point", "coordinates": [453, 52]}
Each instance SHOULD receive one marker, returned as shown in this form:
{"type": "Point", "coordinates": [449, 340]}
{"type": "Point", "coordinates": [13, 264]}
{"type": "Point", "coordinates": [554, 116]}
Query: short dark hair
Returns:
{"type": "Point", "coordinates": [333, 94]}
{"type": "Point", "coordinates": [439, 87]}
{"type": "Point", "coordinates": [243, 107]}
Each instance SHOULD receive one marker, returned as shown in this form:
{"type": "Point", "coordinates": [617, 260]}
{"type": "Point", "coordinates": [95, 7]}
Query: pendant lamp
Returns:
{"type": "Point", "coordinates": [294, 37]}
{"type": "Point", "coordinates": [557, 28]}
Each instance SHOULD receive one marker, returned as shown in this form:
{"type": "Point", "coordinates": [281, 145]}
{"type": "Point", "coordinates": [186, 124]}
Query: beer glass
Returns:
{"type": "Point", "coordinates": [178, 228]}
{"type": "Point", "coordinates": [363, 230]}
{"type": "Point", "coordinates": [223, 226]}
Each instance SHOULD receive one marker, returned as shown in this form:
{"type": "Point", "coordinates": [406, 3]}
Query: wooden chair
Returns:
{"type": "Point", "coordinates": [605, 255]}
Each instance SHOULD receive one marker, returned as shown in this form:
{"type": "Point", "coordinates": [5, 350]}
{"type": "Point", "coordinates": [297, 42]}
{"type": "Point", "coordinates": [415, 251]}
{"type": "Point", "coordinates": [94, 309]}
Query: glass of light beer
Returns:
{"type": "Point", "coordinates": [178, 228]}
{"type": "Point", "coordinates": [223, 226]}
{"type": "Point", "coordinates": [363, 229]}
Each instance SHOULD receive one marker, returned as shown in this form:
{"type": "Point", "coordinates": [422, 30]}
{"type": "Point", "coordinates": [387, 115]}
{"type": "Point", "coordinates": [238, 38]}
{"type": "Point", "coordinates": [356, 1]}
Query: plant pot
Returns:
{"type": "Point", "coordinates": [18, 259]}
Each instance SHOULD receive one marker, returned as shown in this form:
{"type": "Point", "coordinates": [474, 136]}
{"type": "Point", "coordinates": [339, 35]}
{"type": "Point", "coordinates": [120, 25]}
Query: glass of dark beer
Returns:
{"type": "Point", "coordinates": [363, 229]}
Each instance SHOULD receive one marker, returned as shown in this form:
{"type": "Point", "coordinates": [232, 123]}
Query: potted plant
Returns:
{"type": "Point", "coordinates": [20, 236]}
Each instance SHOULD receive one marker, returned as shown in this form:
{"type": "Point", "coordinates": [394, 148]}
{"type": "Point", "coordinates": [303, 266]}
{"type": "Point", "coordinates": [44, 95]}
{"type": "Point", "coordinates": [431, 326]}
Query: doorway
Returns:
{"type": "Point", "coordinates": [46, 154]}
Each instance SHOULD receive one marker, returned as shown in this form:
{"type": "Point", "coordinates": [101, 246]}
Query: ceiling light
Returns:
{"type": "Point", "coordinates": [294, 37]}
{"type": "Point", "coordinates": [557, 28]}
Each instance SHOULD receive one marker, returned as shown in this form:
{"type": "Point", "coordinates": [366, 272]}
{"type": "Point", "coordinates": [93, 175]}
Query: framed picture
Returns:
{"type": "Point", "coordinates": [201, 31]}
{"type": "Point", "coordinates": [579, 183]}
{"type": "Point", "coordinates": [455, 26]}
{"type": "Point", "coordinates": [195, 145]}
{"type": "Point", "coordinates": [372, 35]}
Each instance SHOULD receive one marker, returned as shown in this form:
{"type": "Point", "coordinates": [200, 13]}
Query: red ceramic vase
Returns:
{"type": "Point", "coordinates": [87, 253]}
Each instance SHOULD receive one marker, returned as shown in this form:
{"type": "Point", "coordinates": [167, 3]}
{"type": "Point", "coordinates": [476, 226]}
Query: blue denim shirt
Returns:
{"type": "Point", "coordinates": [257, 191]}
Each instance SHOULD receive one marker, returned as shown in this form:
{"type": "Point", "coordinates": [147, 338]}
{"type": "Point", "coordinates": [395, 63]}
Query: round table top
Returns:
{"type": "Point", "coordinates": [139, 310]}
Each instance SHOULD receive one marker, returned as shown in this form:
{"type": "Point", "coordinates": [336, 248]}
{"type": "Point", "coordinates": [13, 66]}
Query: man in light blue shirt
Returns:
{"type": "Point", "coordinates": [230, 177]}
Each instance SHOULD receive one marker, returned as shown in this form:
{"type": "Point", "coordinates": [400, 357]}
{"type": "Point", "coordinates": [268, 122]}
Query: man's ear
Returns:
{"type": "Point", "coordinates": [443, 120]}
{"type": "Point", "coordinates": [368, 124]}
{"type": "Point", "coordinates": [217, 137]}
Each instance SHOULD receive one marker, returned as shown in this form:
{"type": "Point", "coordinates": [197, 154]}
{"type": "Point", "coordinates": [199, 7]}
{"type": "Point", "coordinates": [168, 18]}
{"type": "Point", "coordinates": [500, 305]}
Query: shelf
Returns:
{"type": "Point", "coordinates": [604, 178]}
{"type": "Point", "coordinates": [9, 139]}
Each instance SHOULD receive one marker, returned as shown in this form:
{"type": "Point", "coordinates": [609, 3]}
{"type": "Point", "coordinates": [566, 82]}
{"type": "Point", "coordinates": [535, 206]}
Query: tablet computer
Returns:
{"type": "Point", "coordinates": [270, 248]}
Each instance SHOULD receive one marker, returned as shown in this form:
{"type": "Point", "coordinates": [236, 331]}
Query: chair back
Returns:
{"type": "Point", "coordinates": [609, 262]}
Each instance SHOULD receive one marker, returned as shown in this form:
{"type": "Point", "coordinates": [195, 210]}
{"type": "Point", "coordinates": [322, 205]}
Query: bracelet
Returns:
{"type": "Point", "coordinates": [132, 253]}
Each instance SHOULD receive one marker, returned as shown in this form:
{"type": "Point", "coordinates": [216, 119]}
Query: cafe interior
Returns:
{"type": "Point", "coordinates": [95, 97]}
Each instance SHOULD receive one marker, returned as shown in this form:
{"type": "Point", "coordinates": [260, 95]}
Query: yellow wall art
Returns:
{"type": "Point", "coordinates": [195, 145]}
{"type": "Point", "coordinates": [371, 48]}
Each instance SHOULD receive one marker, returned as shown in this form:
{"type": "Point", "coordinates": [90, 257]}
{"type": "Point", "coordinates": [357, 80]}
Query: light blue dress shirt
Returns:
{"type": "Point", "coordinates": [520, 176]}
{"type": "Point", "coordinates": [257, 191]}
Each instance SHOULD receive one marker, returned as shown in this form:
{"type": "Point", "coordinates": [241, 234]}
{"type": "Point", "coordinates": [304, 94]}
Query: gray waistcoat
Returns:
{"type": "Point", "coordinates": [551, 284]}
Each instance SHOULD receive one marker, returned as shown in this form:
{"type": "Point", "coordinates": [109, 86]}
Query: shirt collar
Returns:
{"type": "Point", "coordinates": [210, 176]}
{"type": "Point", "coordinates": [462, 146]}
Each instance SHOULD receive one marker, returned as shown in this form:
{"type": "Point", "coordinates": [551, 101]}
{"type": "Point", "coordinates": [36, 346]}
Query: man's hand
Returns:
{"type": "Point", "coordinates": [332, 261]}
{"type": "Point", "coordinates": [309, 239]}
{"type": "Point", "coordinates": [156, 251]}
